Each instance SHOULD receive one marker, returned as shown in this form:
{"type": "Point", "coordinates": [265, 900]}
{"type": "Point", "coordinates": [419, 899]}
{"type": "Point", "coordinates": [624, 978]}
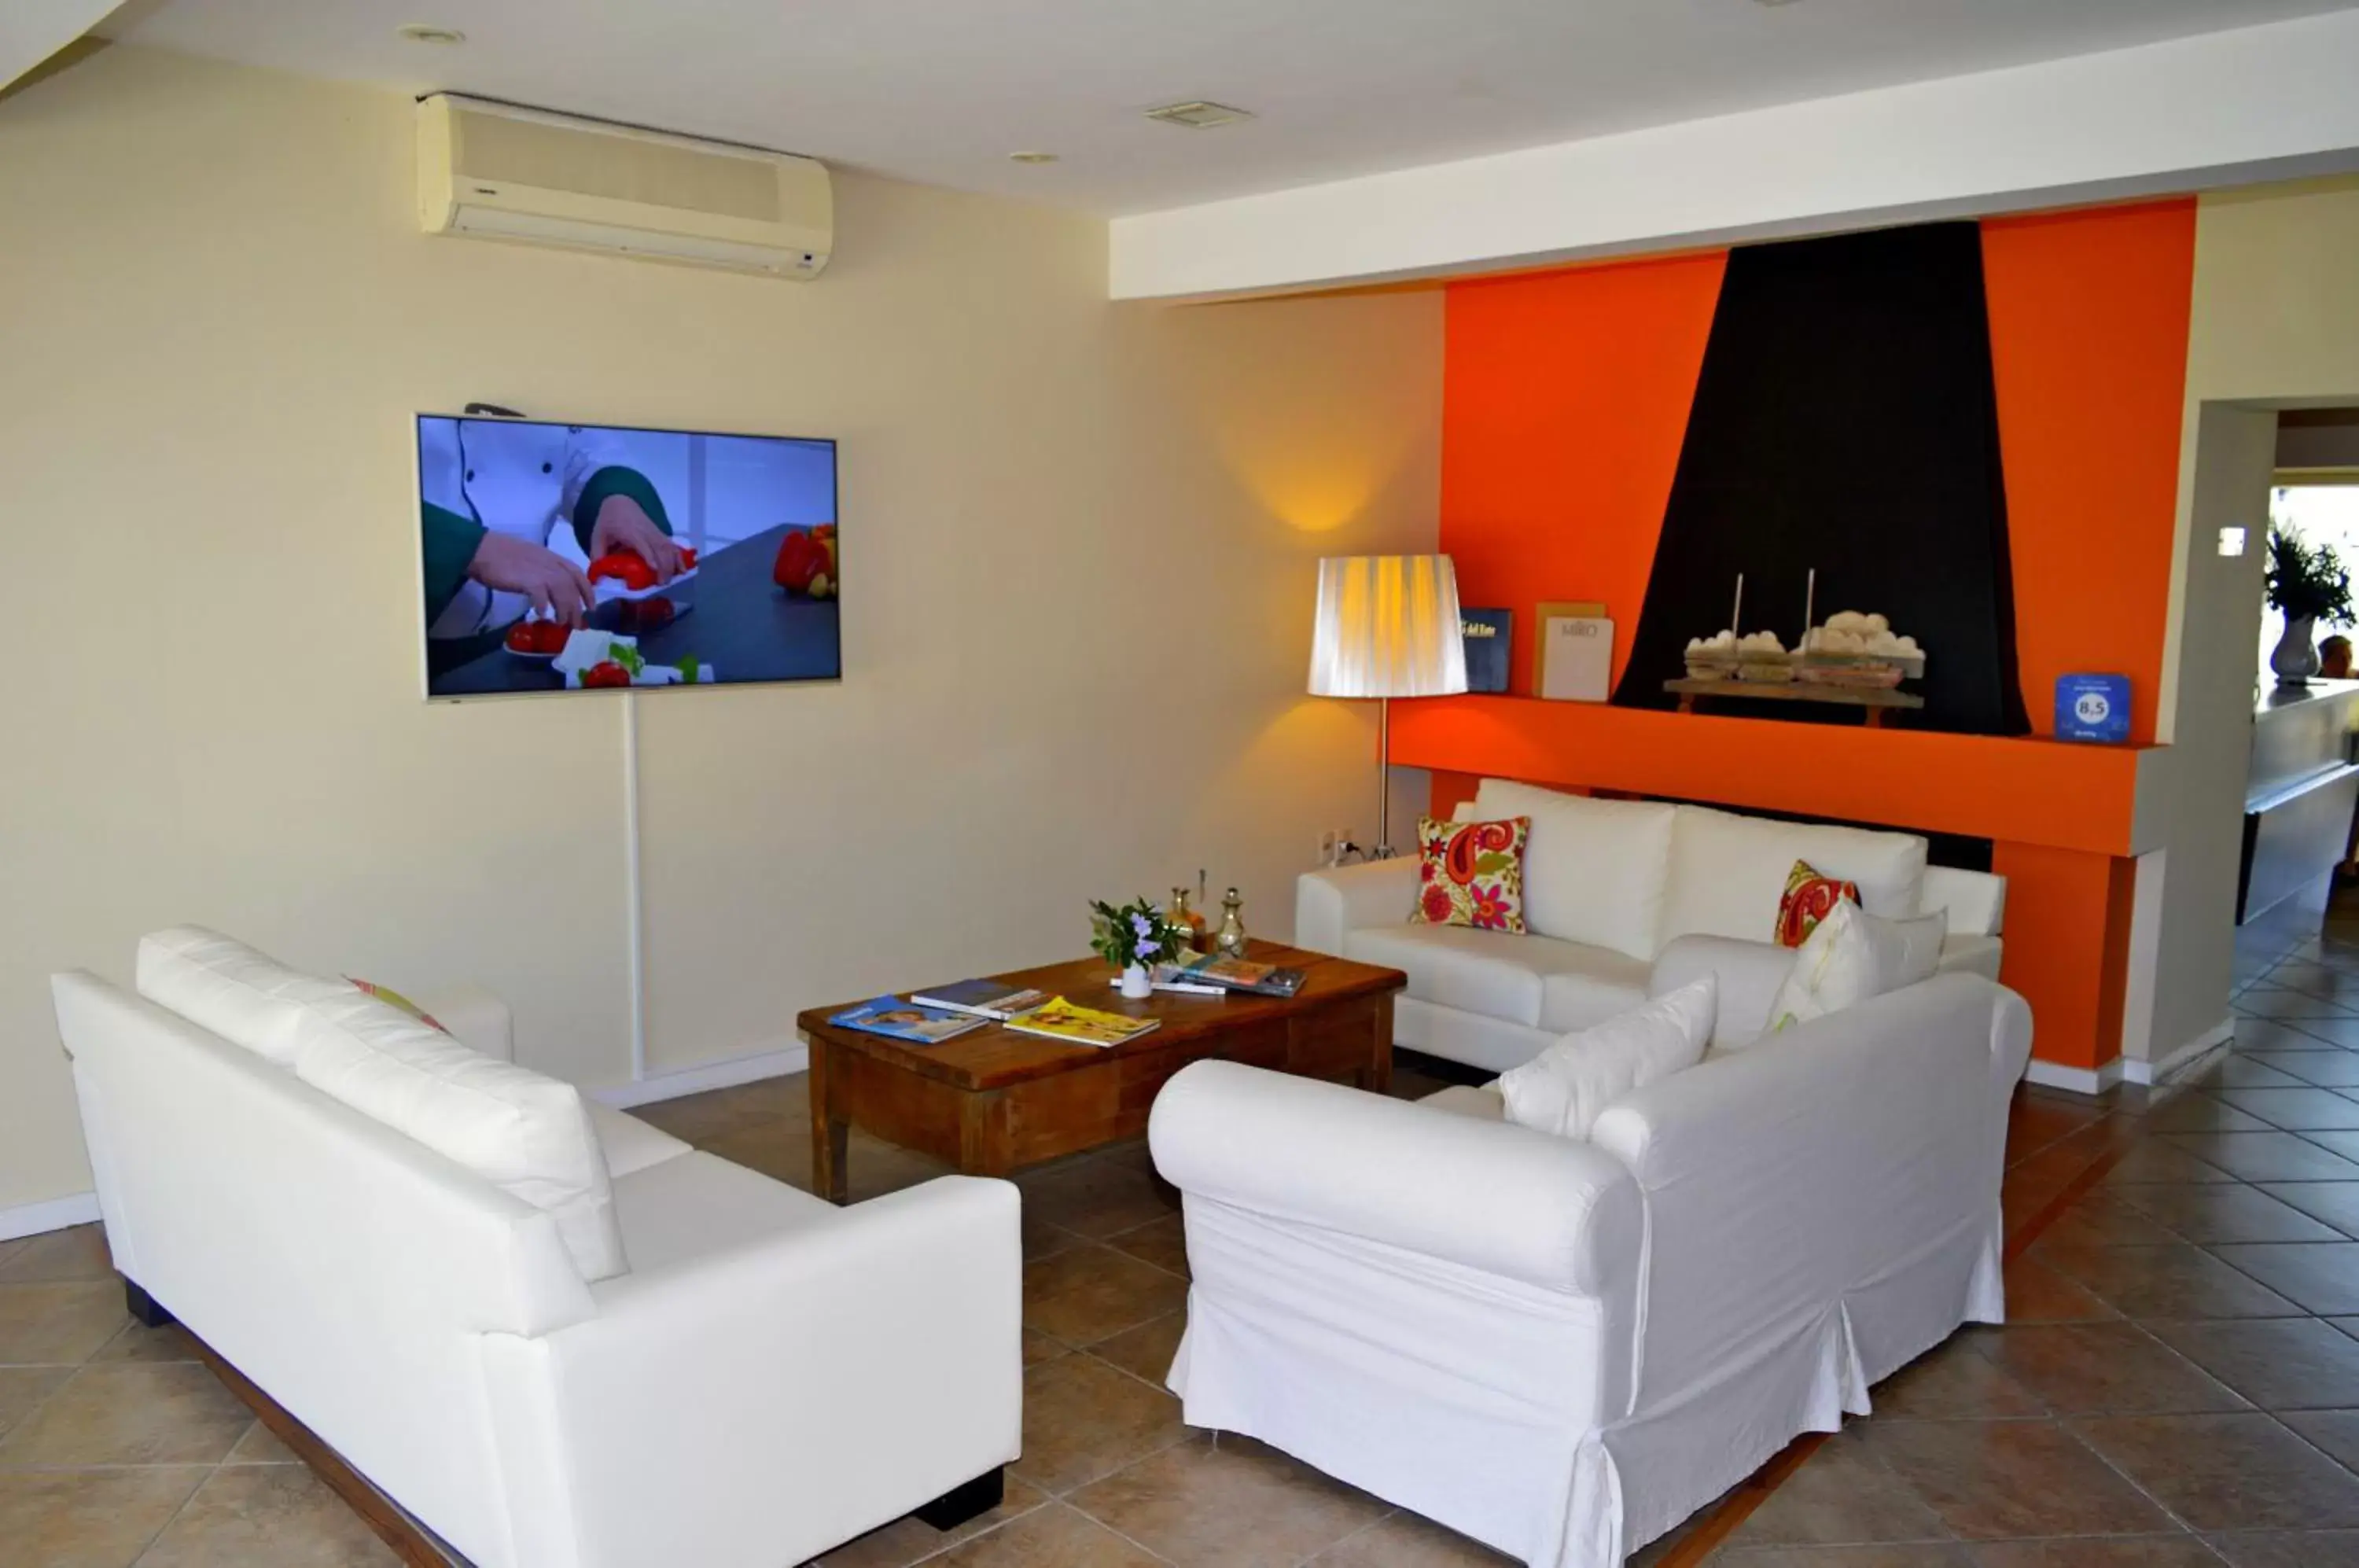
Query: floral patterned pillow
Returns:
{"type": "Point", "coordinates": [1472, 874]}
{"type": "Point", "coordinates": [1810, 898]}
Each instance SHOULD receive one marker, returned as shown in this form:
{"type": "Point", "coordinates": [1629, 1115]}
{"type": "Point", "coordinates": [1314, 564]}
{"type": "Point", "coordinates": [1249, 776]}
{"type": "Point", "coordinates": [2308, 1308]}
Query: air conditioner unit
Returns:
{"type": "Point", "coordinates": [519, 174]}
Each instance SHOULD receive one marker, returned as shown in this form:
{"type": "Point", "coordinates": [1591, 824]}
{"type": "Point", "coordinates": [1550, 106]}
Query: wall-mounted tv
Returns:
{"type": "Point", "coordinates": [559, 558]}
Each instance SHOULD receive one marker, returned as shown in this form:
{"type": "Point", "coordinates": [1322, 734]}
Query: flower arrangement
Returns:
{"type": "Point", "coordinates": [2306, 581]}
{"type": "Point", "coordinates": [1132, 933]}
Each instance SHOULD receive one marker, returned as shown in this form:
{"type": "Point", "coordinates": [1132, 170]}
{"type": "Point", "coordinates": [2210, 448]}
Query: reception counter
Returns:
{"type": "Point", "coordinates": [2298, 796]}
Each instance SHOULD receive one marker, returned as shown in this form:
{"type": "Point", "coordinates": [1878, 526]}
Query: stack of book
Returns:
{"type": "Point", "coordinates": [1230, 975]}
{"type": "Point", "coordinates": [946, 1012]}
{"type": "Point", "coordinates": [993, 999]}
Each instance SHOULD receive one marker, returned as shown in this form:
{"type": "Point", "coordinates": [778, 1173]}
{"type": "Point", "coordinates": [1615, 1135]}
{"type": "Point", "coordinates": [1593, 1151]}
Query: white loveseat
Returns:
{"type": "Point", "coordinates": [1607, 885]}
{"type": "Point", "coordinates": [1562, 1347]}
{"type": "Point", "coordinates": [770, 1376]}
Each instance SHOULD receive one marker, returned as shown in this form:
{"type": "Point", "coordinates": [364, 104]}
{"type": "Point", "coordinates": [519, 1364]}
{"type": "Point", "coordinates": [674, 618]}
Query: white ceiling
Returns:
{"type": "Point", "coordinates": [941, 91]}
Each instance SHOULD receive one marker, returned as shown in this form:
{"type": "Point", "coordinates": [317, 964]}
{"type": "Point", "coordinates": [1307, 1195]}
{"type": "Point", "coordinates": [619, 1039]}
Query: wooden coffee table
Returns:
{"type": "Point", "coordinates": [993, 1101]}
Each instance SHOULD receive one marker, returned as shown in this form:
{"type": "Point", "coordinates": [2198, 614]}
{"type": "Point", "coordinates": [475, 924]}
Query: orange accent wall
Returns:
{"type": "Point", "coordinates": [1566, 399]}
{"type": "Point", "coordinates": [2088, 317]}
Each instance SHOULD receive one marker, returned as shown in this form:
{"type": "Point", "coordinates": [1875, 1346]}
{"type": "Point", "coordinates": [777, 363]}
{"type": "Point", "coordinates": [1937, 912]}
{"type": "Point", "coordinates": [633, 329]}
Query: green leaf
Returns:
{"type": "Point", "coordinates": [689, 671]}
{"type": "Point", "coordinates": [629, 657]}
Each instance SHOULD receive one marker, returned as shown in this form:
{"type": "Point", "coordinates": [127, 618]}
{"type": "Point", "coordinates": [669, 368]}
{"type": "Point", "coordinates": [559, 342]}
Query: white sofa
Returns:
{"type": "Point", "coordinates": [1607, 885]}
{"type": "Point", "coordinates": [771, 1375]}
{"type": "Point", "coordinates": [1562, 1347]}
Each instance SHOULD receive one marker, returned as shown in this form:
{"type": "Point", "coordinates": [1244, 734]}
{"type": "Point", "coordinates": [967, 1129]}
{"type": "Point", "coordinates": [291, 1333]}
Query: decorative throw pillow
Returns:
{"type": "Point", "coordinates": [1567, 1087]}
{"type": "Point", "coordinates": [1853, 956]}
{"type": "Point", "coordinates": [392, 997]}
{"type": "Point", "coordinates": [1808, 896]}
{"type": "Point", "coordinates": [1472, 874]}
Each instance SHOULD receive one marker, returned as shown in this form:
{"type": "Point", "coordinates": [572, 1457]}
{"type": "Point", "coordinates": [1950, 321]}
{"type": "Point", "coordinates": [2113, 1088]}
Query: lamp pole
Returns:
{"type": "Point", "coordinates": [1384, 850]}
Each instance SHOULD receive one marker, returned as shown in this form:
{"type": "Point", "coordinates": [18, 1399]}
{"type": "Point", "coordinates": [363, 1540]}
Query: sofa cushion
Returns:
{"type": "Point", "coordinates": [1472, 874]}
{"type": "Point", "coordinates": [1482, 1101]}
{"type": "Point", "coordinates": [523, 1132]}
{"type": "Point", "coordinates": [1490, 972]}
{"type": "Point", "coordinates": [1807, 898]}
{"type": "Point", "coordinates": [1728, 871]}
{"type": "Point", "coordinates": [630, 1144]}
{"type": "Point", "coordinates": [1565, 1088]}
{"type": "Point", "coordinates": [1853, 956]}
{"type": "Point", "coordinates": [1593, 984]}
{"type": "Point", "coordinates": [700, 1205]}
{"type": "Point", "coordinates": [218, 983]}
{"type": "Point", "coordinates": [1595, 870]}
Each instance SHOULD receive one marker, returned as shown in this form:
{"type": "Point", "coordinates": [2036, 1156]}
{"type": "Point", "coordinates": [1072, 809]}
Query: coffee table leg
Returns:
{"type": "Point", "coordinates": [1380, 1061]}
{"type": "Point", "coordinates": [831, 1133]}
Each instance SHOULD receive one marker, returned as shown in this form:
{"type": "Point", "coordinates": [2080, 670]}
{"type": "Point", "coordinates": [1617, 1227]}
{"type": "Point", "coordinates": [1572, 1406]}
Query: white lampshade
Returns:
{"type": "Point", "coordinates": [1387, 626]}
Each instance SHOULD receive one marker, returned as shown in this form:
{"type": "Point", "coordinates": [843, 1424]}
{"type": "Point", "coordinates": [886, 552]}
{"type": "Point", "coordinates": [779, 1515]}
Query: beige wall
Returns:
{"type": "Point", "coordinates": [2275, 324]}
{"type": "Point", "coordinates": [1080, 542]}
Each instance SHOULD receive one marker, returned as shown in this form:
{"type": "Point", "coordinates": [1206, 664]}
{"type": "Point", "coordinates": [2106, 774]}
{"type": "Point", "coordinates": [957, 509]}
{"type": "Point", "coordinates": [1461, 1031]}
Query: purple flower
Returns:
{"type": "Point", "coordinates": [1142, 925]}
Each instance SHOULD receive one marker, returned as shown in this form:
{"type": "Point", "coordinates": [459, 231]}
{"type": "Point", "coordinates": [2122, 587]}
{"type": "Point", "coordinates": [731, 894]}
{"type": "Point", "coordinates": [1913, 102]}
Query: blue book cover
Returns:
{"type": "Point", "coordinates": [2093, 707]}
{"type": "Point", "coordinates": [904, 1020]}
{"type": "Point", "coordinates": [1488, 634]}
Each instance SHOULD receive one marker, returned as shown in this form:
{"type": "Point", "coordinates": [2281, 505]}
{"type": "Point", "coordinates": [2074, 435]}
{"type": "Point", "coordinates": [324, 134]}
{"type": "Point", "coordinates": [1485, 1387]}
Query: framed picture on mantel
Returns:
{"type": "Point", "coordinates": [1572, 651]}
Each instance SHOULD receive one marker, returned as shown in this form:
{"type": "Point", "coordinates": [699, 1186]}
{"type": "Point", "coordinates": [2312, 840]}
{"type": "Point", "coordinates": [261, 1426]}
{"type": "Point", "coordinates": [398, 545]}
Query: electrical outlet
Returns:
{"type": "Point", "coordinates": [1327, 848]}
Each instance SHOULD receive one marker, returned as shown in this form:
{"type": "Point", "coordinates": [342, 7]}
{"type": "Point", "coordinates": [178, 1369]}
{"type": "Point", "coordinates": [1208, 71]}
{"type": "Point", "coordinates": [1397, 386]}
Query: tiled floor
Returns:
{"type": "Point", "coordinates": [2180, 1384]}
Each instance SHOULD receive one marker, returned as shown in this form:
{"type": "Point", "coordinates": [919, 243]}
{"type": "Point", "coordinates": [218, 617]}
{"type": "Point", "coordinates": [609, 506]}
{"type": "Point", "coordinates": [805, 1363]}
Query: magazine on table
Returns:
{"type": "Point", "coordinates": [1060, 1020]}
{"type": "Point", "coordinates": [994, 999]}
{"type": "Point", "coordinates": [897, 1019]}
{"type": "Point", "coordinates": [1231, 974]}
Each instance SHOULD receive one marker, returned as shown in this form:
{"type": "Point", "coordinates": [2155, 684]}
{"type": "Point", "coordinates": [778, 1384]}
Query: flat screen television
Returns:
{"type": "Point", "coordinates": [561, 558]}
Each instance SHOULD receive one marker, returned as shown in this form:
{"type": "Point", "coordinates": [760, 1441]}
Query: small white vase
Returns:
{"type": "Point", "coordinates": [1137, 983]}
{"type": "Point", "coordinates": [2294, 659]}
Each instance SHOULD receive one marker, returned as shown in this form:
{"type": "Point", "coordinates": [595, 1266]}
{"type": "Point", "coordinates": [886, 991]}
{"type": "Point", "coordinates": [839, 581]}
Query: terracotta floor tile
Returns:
{"type": "Point", "coordinates": [2316, 979]}
{"type": "Point", "coordinates": [2334, 1431]}
{"type": "Point", "coordinates": [1842, 1494]}
{"type": "Point", "coordinates": [2334, 1203]}
{"type": "Point", "coordinates": [130, 1414]}
{"type": "Point", "coordinates": [1098, 1198]}
{"type": "Point", "coordinates": [2312, 1062]}
{"type": "Point", "coordinates": [1163, 1243]}
{"type": "Point", "coordinates": [701, 1118]}
{"type": "Point", "coordinates": [76, 1253]}
{"type": "Point", "coordinates": [2092, 1368]}
{"type": "Point", "coordinates": [260, 1445]}
{"type": "Point", "coordinates": [2106, 1219]}
{"type": "Point", "coordinates": [267, 1516]}
{"type": "Point", "coordinates": [1039, 1347]}
{"type": "Point", "coordinates": [2179, 1280]}
{"type": "Point", "coordinates": [2300, 1109]}
{"type": "Point", "coordinates": [2098, 1552]}
{"type": "Point", "coordinates": [2290, 1549]}
{"type": "Point", "coordinates": [2234, 1069]}
{"type": "Point", "coordinates": [1083, 1419]}
{"type": "Point", "coordinates": [1405, 1541]}
{"type": "Point", "coordinates": [2272, 1001]}
{"type": "Point", "coordinates": [1089, 1294]}
{"type": "Point", "coordinates": [2036, 1294]}
{"type": "Point", "coordinates": [1226, 1504]}
{"type": "Point", "coordinates": [2280, 1364]}
{"type": "Point", "coordinates": [1895, 1554]}
{"type": "Point", "coordinates": [87, 1518]}
{"type": "Point", "coordinates": [783, 1154]}
{"type": "Point", "coordinates": [1145, 1352]}
{"type": "Point", "coordinates": [2346, 1144]}
{"type": "Point", "coordinates": [2321, 1277]}
{"type": "Point", "coordinates": [1041, 1238]}
{"type": "Point", "coordinates": [2155, 1160]}
{"type": "Point", "coordinates": [908, 1540]}
{"type": "Point", "coordinates": [1997, 1479]}
{"type": "Point", "coordinates": [1952, 1380]}
{"type": "Point", "coordinates": [2198, 1111]}
{"type": "Point", "coordinates": [2228, 1472]}
{"type": "Point", "coordinates": [61, 1324]}
{"type": "Point", "coordinates": [2260, 1035]}
{"type": "Point", "coordinates": [22, 1387]}
{"type": "Point", "coordinates": [2343, 1032]}
{"type": "Point", "coordinates": [138, 1342]}
{"type": "Point", "coordinates": [2264, 1156]}
{"type": "Point", "coordinates": [2215, 1210]}
{"type": "Point", "coordinates": [1051, 1537]}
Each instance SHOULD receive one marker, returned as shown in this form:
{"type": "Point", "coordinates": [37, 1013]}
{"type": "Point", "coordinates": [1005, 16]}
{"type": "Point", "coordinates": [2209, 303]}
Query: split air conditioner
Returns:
{"type": "Point", "coordinates": [506, 173]}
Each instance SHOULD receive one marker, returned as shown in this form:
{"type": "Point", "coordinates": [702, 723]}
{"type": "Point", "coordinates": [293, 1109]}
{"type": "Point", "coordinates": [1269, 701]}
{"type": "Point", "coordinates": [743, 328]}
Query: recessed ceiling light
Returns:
{"type": "Point", "coordinates": [1033, 157]}
{"type": "Point", "coordinates": [425, 33]}
{"type": "Point", "coordinates": [1199, 116]}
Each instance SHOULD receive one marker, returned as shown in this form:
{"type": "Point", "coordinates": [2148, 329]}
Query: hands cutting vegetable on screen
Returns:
{"type": "Point", "coordinates": [624, 528]}
{"type": "Point", "coordinates": [558, 589]}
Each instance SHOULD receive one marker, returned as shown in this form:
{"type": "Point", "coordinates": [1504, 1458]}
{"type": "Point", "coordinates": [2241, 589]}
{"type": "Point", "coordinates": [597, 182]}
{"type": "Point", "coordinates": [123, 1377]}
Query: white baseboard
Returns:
{"type": "Point", "coordinates": [2077, 1080]}
{"type": "Point", "coordinates": [710, 1076]}
{"type": "Point", "coordinates": [2212, 1039]}
{"type": "Point", "coordinates": [32, 1219]}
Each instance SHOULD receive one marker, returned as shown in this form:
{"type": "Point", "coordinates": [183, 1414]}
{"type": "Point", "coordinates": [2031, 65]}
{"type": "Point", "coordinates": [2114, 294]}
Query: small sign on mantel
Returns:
{"type": "Point", "coordinates": [1576, 657]}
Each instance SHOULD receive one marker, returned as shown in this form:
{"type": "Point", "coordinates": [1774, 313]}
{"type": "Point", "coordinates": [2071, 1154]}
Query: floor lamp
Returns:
{"type": "Point", "coordinates": [1387, 627]}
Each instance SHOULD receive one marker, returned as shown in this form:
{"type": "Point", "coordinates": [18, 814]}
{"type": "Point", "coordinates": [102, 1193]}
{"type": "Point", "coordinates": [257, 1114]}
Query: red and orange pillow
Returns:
{"type": "Point", "coordinates": [1472, 874]}
{"type": "Point", "coordinates": [1809, 897]}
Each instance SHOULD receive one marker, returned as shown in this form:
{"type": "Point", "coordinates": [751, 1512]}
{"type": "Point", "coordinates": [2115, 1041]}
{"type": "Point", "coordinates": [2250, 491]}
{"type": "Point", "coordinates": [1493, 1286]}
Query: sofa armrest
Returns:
{"type": "Point", "coordinates": [1551, 1212]}
{"type": "Point", "coordinates": [1750, 973]}
{"type": "Point", "coordinates": [1976, 900]}
{"type": "Point", "coordinates": [1328, 905]}
{"type": "Point", "coordinates": [764, 1402]}
{"type": "Point", "coordinates": [474, 1018]}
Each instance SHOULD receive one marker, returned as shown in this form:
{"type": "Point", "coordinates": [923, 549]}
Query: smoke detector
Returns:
{"type": "Point", "coordinates": [1199, 116]}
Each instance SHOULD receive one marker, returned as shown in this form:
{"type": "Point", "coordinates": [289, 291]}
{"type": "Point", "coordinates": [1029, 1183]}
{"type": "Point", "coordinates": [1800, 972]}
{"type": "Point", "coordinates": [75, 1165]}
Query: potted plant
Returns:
{"type": "Point", "coordinates": [1132, 937]}
{"type": "Point", "coordinates": [2307, 584]}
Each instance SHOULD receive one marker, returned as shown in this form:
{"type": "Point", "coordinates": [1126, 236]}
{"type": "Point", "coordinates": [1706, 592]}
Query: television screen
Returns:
{"type": "Point", "coordinates": [561, 558]}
